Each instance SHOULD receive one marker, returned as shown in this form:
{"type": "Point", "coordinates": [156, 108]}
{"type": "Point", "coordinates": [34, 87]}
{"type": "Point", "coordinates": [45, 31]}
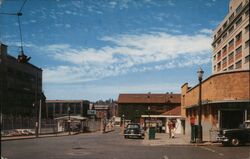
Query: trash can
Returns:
{"type": "Point", "coordinates": [194, 133]}
{"type": "Point", "coordinates": [151, 133]}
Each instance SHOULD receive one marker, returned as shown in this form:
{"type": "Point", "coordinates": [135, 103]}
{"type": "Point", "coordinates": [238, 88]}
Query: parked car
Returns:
{"type": "Point", "coordinates": [235, 137]}
{"type": "Point", "coordinates": [133, 130]}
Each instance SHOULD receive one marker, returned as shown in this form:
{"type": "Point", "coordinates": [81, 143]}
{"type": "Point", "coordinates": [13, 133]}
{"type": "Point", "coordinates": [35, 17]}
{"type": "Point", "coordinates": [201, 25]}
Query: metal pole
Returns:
{"type": "Point", "coordinates": [36, 106]}
{"type": "Point", "coordinates": [40, 114]}
{"type": "Point", "coordinates": [200, 114]}
{"type": "Point", "coordinates": [69, 120]}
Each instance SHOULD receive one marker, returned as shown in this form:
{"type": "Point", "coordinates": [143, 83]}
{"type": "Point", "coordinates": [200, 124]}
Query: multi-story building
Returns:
{"type": "Point", "coordinates": [20, 85]}
{"type": "Point", "coordinates": [132, 106]}
{"type": "Point", "coordinates": [58, 108]}
{"type": "Point", "coordinates": [231, 39]}
{"type": "Point", "coordinates": [225, 95]}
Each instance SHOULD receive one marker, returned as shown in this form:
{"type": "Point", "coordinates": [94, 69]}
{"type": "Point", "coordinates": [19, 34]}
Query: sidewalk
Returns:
{"type": "Point", "coordinates": [163, 139]}
{"type": "Point", "coordinates": [33, 136]}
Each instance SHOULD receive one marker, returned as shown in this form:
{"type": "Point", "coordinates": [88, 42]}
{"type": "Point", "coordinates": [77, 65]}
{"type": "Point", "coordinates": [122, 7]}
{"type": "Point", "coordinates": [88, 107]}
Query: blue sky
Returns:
{"type": "Point", "coordinates": [96, 49]}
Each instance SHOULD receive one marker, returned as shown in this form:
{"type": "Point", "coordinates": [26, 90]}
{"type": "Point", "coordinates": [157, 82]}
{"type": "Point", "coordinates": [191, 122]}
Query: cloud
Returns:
{"type": "Point", "coordinates": [127, 53]}
{"type": "Point", "coordinates": [206, 31]}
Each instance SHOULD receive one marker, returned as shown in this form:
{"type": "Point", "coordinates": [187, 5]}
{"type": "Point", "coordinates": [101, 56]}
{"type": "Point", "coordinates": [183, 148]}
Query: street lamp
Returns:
{"type": "Point", "coordinates": [149, 116]}
{"type": "Point", "coordinates": [200, 74]}
{"type": "Point", "coordinates": [123, 122]}
{"type": "Point", "coordinates": [69, 119]}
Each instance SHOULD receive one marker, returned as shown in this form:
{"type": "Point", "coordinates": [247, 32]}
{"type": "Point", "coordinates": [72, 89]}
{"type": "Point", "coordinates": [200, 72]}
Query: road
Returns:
{"type": "Point", "coordinates": [112, 146]}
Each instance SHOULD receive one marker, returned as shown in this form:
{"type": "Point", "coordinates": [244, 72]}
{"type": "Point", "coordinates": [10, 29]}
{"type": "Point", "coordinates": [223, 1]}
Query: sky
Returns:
{"type": "Point", "coordinates": [97, 49]}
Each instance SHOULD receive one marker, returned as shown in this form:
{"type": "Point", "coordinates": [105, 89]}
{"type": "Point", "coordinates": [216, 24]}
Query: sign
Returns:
{"type": "Point", "coordinates": [91, 112]}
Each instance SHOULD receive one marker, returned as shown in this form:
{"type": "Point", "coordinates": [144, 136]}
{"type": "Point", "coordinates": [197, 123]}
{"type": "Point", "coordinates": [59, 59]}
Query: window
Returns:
{"type": "Point", "coordinates": [219, 31]}
{"type": "Point", "coordinates": [218, 43]}
{"type": "Point", "coordinates": [230, 30]}
{"type": "Point", "coordinates": [219, 54]}
{"type": "Point", "coordinates": [238, 36]}
{"type": "Point", "coordinates": [224, 36]}
{"type": "Point", "coordinates": [231, 18]}
{"type": "Point", "coordinates": [247, 13]}
{"type": "Point", "coordinates": [247, 58]}
{"type": "Point", "coordinates": [214, 45]}
{"type": "Point", "coordinates": [238, 21]}
{"type": "Point", "coordinates": [218, 66]}
{"type": "Point", "coordinates": [214, 67]}
{"type": "Point", "coordinates": [231, 43]}
{"type": "Point", "coordinates": [238, 50]}
{"type": "Point", "coordinates": [214, 36]}
{"type": "Point", "coordinates": [247, 44]}
{"type": "Point", "coordinates": [238, 9]}
{"type": "Point", "coordinates": [247, 29]}
{"type": "Point", "coordinates": [224, 48]}
{"type": "Point", "coordinates": [231, 67]}
{"type": "Point", "coordinates": [214, 57]}
{"type": "Point", "coordinates": [238, 65]}
{"type": "Point", "coordinates": [224, 60]}
{"type": "Point", "coordinates": [225, 25]}
{"type": "Point", "coordinates": [231, 56]}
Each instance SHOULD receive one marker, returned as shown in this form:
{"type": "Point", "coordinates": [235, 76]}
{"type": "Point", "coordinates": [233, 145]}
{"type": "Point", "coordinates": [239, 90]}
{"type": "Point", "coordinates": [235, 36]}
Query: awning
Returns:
{"type": "Point", "coordinates": [205, 102]}
{"type": "Point", "coordinates": [71, 118]}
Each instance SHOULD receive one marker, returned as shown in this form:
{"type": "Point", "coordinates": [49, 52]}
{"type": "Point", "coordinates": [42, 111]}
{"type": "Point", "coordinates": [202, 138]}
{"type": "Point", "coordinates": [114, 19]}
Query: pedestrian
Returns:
{"type": "Point", "coordinates": [170, 125]}
{"type": "Point", "coordinates": [173, 128]}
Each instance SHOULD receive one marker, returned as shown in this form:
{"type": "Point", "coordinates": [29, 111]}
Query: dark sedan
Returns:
{"type": "Point", "coordinates": [133, 130]}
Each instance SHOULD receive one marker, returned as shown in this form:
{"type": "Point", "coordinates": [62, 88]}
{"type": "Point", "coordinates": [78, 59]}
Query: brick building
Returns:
{"type": "Point", "coordinates": [135, 105]}
{"type": "Point", "coordinates": [225, 101]}
{"type": "Point", "coordinates": [20, 85]}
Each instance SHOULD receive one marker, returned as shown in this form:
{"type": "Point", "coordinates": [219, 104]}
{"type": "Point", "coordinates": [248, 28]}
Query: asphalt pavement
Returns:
{"type": "Point", "coordinates": [113, 146]}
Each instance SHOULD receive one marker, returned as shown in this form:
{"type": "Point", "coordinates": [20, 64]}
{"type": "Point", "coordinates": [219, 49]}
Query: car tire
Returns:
{"type": "Point", "coordinates": [235, 142]}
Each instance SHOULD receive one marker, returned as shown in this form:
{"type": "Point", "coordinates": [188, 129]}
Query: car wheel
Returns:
{"type": "Point", "coordinates": [235, 142]}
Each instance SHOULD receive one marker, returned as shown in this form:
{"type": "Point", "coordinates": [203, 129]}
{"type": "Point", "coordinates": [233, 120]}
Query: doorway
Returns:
{"type": "Point", "coordinates": [231, 118]}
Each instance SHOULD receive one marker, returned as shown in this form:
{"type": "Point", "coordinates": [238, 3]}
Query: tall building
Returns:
{"type": "Point", "coordinates": [20, 85]}
{"type": "Point", "coordinates": [58, 108]}
{"type": "Point", "coordinates": [231, 39]}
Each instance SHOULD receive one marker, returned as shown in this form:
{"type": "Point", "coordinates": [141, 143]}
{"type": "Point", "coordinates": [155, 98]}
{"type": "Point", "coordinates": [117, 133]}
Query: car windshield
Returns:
{"type": "Point", "coordinates": [133, 126]}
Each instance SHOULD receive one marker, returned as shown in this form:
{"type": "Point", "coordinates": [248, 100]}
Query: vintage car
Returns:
{"type": "Point", "coordinates": [133, 130]}
{"type": "Point", "coordinates": [235, 137]}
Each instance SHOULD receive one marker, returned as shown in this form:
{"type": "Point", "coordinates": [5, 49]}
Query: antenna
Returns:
{"type": "Point", "coordinates": [22, 58]}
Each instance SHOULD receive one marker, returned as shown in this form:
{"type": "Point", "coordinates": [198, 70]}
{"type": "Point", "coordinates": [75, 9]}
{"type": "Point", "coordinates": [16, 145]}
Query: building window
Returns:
{"type": "Point", "coordinates": [231, 56]}
{"type": "Point", "coordinates": [214, 57]}
{"type": "Point", "coordinates": [224, 60]}
{"type": "Point", "coordinates": [231, 67]}
{"type": "Point", "coordinates": [238, 9]}
{"type": "Point", "coordinates": [219, 32]}
{"type": "Point", "coordinates": [214, 67]}
{"type": "Point", "coordinates": [231, 44]}
{"type": "Point", "coordinates": [230, 30]}
{"type": "Point", "coordinates": [238, 50]}
{"type": "Point", "coordinates": [238, 21]}
{"type": "Point", "coordinates": [238, 65]}
{"type": "Point", "coordinates": [247, 44]}
{"type": "Point", "coordinates": [247, 29]}
{"type": "Point", "coordinates": [247, 13]}
{"type": "Point", "coordinates": [218, 66]}
{"type": "Point", "coordinates": [231, 18]}
{"type": "Point", "coordinates": [224, 36]}
{"type": "Point", "coordinates": [219, 41]}
{"type": "Point", "coordinates": [224, 49]}
{"type": "Point", "coordinates": [218, 55]}
{"type": "Point", "coordinates": [225, 25]}
{"type": "Point", "coordinates": [214, 45]}
{"type": "Point", "coordinates": [247, 58]}
{"type": "Point", "coordinates": [238, 36]}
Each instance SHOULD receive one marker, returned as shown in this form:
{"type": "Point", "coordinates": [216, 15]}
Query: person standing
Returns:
{"type": "Point", "coordinates": [170, 125]}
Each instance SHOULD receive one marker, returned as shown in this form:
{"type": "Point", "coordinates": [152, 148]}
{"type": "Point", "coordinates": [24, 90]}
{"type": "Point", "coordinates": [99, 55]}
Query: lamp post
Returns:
{"type": "Point", "coordinates": [149, 119]}
{"type": "Point", "coordinates": [69, 119]}
{"type": "Point", "coordinates": [200, 74]}
{"type": "Point", "coordinates": [123, 122]}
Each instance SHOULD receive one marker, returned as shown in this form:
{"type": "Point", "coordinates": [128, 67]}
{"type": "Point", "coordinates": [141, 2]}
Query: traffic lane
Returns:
{"type": "Point", "coordinates": [111, 146]}
{"type": "Point", "coordinates": [242, 152]}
